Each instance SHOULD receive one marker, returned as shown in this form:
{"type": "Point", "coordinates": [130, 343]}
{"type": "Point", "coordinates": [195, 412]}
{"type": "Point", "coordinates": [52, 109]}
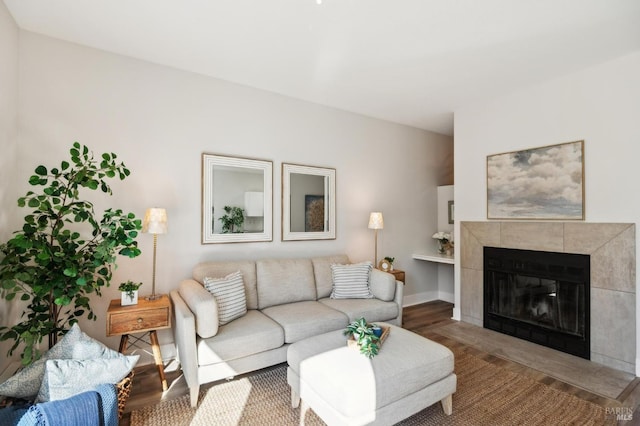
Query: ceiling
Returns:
{"type": "Point", "coordinates": [412, 62]}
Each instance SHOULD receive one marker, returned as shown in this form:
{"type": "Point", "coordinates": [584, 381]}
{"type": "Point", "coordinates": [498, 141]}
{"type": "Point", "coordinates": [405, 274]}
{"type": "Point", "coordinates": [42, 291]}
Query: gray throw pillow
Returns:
{"type": "Point", "coordinates": [351, 281]}
{"type": "Point", "coordinates": [230, 296]}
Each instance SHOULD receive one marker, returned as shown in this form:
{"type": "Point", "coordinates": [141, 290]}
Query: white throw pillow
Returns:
{"type": "Point", "coordinates": [73, 345]}
{"type": "Point", "coordinates": [64, 378]}
{"type": "Point", "coordinates": [351, 281]}
{"type": "Point", "coordinates": [230, 296]}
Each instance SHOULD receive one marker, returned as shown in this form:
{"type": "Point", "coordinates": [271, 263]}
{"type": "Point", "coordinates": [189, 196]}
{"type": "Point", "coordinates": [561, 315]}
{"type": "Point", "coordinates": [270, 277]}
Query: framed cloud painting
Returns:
{"type": "Point", "coordinates": [538, 183]}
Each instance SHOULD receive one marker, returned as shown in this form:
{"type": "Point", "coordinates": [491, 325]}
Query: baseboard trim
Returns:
{"type": "Point", "coordinates": [446, 296]}
{"type": "Point", "coordinates": [418, 298]}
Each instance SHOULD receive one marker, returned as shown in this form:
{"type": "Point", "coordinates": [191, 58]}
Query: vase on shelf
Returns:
{"type": "Point", "coordinates": [440, 246]}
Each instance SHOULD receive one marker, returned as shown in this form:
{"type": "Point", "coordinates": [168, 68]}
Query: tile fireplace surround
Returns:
{"type": "Point", "coordinates": [612, 249]}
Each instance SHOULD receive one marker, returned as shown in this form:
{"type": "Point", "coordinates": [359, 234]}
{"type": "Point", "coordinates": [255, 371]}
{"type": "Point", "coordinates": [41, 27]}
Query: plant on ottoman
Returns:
{"type": "Point", "coordinates": [366, 336]}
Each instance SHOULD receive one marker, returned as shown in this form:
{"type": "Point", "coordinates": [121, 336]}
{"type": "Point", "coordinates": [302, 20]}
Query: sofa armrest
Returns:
{"type": "Point", "coordinates": [184, 335]}
{"type": "Point", "coordinates": [382, 285]}
{"type": "Point", "coordinates": [203, 306]}
{"type": "Point", "coordinates": [398, 299]}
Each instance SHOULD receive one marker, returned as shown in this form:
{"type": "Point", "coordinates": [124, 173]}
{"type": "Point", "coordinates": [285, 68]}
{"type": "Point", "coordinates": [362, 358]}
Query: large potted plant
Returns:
{"type": "Point", "coordinates": [64, 252]}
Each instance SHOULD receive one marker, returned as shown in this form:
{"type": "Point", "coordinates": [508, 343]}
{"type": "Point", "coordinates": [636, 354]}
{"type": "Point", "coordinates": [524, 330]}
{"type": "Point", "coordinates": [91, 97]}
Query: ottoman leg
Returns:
{"type": "Point", "coordinates": [295, 399]}
{"type": "Point", "coordinates": [447, 404]}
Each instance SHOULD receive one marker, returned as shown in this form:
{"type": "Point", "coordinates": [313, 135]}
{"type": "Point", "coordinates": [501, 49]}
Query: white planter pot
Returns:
{"type": "Point", "coordinates": [126, 300]}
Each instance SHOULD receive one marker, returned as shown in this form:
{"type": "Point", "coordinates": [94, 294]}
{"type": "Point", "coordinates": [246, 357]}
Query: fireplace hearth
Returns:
{"type": "Point", "coordinates": [539, 296]}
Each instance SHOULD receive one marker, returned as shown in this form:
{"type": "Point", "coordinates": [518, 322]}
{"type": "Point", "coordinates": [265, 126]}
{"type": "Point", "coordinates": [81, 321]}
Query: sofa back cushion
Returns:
{"type": "Point", "coordinates": [283, 281]}
{"type": "Point", "coordinates": [221, 269]}
{"type": "Point", "coordinates": [322, 272]}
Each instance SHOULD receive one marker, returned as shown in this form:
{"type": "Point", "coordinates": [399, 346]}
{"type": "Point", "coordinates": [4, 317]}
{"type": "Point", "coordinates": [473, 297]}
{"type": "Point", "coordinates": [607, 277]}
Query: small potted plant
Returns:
{"type": "Point", "coordinates": [129, 295]}
{"type": "Point", "coordinates": [366, 336]}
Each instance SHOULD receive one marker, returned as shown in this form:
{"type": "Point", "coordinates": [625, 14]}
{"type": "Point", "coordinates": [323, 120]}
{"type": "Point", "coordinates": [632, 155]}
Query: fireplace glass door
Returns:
{"type": "Point", "coordinates": [552, 304]}
{"type": "Point", "coordinates": [539, 296]}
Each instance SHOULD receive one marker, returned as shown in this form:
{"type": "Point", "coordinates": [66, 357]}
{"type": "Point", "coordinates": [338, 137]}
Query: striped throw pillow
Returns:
{"type": "Point", "coordinates": [230, 296]}
{"type": "Point", "coordinates": [351, 281]}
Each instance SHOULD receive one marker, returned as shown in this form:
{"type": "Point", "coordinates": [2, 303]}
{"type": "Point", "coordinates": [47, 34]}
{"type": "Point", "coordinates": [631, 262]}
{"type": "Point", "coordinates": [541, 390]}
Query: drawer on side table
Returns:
{"type": "Point", "coordinates": [147, 315]}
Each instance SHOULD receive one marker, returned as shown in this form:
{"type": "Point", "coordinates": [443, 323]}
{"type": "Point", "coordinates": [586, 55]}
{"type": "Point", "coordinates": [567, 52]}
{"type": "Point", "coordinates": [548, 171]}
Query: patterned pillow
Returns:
{"type": "Point", "coordinates": [351, 281]}
{"type": "Point", "coordinates": [73, 345]}
{"type": "Point", "coordinates": [230, 296]}
{"type": "Point", "coordinates": [65, 378]}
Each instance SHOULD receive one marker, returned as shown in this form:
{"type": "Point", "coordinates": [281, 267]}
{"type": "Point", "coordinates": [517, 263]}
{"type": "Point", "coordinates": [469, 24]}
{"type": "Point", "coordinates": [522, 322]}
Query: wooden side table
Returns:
{"type": "Point", "coordinates": [147, 316]}
{"type": "Point", "coordinates": [398, 274]}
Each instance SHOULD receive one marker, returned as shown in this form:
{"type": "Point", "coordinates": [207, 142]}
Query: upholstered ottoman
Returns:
{"type": "Point", "coordinates": [344, 387]}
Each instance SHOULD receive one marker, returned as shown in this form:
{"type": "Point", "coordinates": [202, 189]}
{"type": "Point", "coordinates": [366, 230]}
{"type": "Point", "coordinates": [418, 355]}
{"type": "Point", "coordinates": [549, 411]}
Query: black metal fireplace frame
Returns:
{"type": "Point", "coordinates": [574, 345]}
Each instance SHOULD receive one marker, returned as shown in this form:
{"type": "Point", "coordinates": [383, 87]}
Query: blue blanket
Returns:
{"type": "Point", "coordinates": [94, 408]}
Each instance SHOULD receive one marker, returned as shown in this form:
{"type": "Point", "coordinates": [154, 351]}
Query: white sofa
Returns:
{"type": "Point", "coordinates": [287, 301]}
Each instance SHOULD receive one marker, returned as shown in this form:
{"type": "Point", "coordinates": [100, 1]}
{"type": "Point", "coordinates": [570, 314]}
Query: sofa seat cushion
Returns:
{"type": "Point", "coordinates": [371, 309]}
{"type": "Point", "coordinates": [305, 319]}
{"type": "Point", "coordinates": [248, 335]}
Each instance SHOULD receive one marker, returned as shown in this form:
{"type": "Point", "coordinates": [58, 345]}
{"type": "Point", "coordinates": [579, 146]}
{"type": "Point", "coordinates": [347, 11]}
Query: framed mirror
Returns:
{"type": "Point", "coordinates": [237, 199]}
{"type": "Point", "coordinates": [308, 203]}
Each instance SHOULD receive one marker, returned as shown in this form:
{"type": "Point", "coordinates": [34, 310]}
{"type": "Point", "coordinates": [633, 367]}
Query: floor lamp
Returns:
{"type": "Point", "coordinates": [376, 222]}
{"type": "Point", "coordinates": [155, 222]}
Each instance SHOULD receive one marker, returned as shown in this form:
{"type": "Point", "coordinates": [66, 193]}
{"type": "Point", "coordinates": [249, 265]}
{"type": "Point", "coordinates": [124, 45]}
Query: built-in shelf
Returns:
{"type": "Point", "coordinates": [434, 257]}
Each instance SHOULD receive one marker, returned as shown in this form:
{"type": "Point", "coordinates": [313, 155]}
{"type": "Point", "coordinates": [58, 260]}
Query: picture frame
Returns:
{"type": "Point", "coordinates": [544, 183]}
{"type": "Point", "coordinates": [299, 181]}
{"type": "Point", "coordinates": [226, 182]}
{"type": "Point", "coordinates": [451, 212]}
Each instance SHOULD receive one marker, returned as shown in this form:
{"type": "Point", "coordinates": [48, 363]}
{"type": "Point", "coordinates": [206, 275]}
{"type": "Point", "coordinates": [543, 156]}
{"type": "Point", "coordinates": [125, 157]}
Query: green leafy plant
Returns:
{"type": "Point", "coordinates": [364, 335]}
{"type": "Point", "coordinates": [389, 259]}
{"type": "Point", "coordinates": [129, 287]}
{"type": "Point", "coordinates": [233, 220]}
{"type": "Point", "coordinates": [64, 252]}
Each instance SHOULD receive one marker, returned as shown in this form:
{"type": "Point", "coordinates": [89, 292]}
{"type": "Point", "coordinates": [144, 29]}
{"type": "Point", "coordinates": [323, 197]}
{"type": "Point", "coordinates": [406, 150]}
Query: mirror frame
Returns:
{"type": "Point", "coordinates": [330, 205]}
{"type": "Point", "coordinates": [209, 161]}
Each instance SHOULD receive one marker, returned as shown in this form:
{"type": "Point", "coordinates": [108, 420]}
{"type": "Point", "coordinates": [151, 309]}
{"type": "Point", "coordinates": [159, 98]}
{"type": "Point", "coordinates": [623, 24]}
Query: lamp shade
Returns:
{"type": "Point", "coordinates": [376, 221]}
{"type": "Point", "coordinates": [155, 221]}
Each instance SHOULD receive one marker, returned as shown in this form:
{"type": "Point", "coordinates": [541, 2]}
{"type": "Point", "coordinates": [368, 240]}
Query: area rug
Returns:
{"type": "Point", "coordinates": [486, 395]}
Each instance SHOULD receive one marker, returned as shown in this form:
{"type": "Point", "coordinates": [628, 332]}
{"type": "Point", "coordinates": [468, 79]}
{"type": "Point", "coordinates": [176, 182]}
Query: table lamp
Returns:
{"type": "Point", "coordinates": [155, 222]}
{"type": "Point", "coordinates": [376, 222]}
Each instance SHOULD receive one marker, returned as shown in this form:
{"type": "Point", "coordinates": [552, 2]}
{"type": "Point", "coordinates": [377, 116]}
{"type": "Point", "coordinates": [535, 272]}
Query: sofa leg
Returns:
{"type": "Point", "coordinates": [295, 399]}
{"type": "Point", "coordinates": [447, 404]}
{"type": "Point", "coordinates": [193, 393]}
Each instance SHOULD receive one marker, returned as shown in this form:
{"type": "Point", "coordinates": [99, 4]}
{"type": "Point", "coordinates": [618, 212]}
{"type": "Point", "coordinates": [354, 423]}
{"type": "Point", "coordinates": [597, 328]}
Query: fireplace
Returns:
{"type": "Point", "coordinates": [539, 296]}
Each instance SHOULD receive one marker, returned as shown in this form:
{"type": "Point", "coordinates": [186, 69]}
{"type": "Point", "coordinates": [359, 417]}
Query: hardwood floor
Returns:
{"type": "Point", "coordinates": [424, 319]}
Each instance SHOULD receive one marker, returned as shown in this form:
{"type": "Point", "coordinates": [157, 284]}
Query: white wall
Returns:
{"type": "Point", "coordinates": [445, 271]}
{"type": "Point", "coordinates": [8, 144]}
{"type": "Point", "coordinates": [159, 120]}
{"type": "Point", "coordinates": [600, 105]}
